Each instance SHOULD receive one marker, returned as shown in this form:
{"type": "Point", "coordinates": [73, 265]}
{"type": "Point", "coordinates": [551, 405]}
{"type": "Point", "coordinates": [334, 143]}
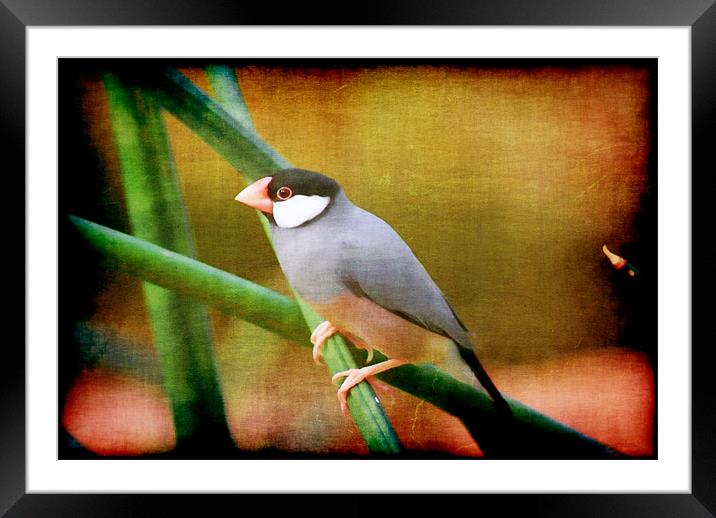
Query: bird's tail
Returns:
{"type": "Point", "coordinates": [468, 354]}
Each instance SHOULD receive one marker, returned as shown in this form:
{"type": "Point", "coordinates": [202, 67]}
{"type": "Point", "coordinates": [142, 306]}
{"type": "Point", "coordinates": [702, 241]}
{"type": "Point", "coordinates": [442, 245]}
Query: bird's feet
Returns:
{"type": "Point", "coordinates": [355, 376]}
{"type": "Point", "coordinates": [323, 332]}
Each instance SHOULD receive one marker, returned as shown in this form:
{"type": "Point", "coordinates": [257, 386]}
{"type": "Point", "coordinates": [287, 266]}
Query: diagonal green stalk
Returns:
{"type": "Point", "coordinates": [226, 89]}
{"type": "Point", "coordinates": [540, 435]}
{"type": "Point", "coordinates": [224, 291]}
{"type": "Point", "coordinates": [364, 405]}
{"type": "Point", "coordinates": [180, 325]}
{"type": "Point", "coordinates": [239, 146]}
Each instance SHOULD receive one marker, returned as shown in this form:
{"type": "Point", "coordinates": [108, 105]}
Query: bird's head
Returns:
{"type": "Point", "coordinates": [291, 196]}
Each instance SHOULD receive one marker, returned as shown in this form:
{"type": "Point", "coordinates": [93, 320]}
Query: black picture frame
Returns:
{"type": "Point", "coordinates": [700, 15]}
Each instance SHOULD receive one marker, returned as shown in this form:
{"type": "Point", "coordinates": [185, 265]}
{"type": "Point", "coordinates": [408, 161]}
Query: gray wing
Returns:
{"type": "Point", "coordinates": [381, 267]}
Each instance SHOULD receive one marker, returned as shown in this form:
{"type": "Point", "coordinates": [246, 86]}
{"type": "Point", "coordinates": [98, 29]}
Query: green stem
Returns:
{"type": "Point", "coordinates": [540, 436]}
{"type": "Point", "coordinates": [364, 405]}
{"type": "Point", "coordinates": [226, 90]}
{"type": "Point", "coordinates": [222, 290]}
{"type": "Point", "coordinates": [180, 326]}
{"type": "Point", "coordinates": [241, 147]}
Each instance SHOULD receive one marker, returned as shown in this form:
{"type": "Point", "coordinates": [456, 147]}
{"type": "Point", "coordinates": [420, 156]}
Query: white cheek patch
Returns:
{"type": "Point", "coordinates": [299, 209]}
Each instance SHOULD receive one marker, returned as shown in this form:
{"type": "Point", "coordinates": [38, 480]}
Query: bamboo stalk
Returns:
{"type": "Point", "coordinates": [363, 404]}
{"type": "Point", "coordinates": [180, 326]}
{"type": "Point", "coordinates": [222, 290]}
{"type": "Point", "coordinates": [540, 436]}
{"type": "Point", "coordinates": [241, 147]}
{"type": "Point", "coordinates": [226, 90]}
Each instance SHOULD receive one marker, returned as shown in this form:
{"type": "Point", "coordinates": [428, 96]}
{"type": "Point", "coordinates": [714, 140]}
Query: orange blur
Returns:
{"type": "Point", "coordinates": [606, 395]}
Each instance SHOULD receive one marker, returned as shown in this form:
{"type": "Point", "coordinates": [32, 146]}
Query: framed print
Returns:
{"type": "Point", "coordinates": [548, 166]}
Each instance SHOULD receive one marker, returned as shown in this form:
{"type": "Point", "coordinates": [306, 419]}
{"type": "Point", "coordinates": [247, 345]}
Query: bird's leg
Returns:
{"type": "Point", "coordinates": [355, 376]}
{"type": "Point", "coordinates": [323, 332]}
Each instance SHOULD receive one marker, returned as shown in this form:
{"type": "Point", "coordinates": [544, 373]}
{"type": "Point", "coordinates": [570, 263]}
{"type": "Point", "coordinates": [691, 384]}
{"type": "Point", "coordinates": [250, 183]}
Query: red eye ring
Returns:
{"type": "Point", "coordinates": [284, 193]}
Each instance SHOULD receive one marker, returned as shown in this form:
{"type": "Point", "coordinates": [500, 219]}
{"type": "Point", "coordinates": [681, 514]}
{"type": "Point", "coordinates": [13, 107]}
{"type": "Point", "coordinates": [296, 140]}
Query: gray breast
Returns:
{"type": "Point", "coordinates": [311, 255]}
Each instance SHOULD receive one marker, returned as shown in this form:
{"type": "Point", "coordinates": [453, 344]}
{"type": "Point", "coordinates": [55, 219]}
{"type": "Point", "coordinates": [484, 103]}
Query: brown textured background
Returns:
{"type": "Point", "coordinates": [504, 181]}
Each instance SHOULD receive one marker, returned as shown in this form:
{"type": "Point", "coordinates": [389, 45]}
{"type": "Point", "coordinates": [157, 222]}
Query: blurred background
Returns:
{"type": "Point", "coordinates": [504, 177]}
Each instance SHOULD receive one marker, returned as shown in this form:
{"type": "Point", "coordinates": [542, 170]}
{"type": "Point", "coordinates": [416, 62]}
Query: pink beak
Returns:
{"type": "Point", "coordinates": [256, 195]}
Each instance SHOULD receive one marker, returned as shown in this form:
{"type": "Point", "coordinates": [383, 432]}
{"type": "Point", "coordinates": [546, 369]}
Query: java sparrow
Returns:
{"type": "Point", "coordinates": [355, 271]}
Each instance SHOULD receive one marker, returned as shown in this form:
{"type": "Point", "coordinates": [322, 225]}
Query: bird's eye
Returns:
{"type": "Point", "coordinates": [284, 193]}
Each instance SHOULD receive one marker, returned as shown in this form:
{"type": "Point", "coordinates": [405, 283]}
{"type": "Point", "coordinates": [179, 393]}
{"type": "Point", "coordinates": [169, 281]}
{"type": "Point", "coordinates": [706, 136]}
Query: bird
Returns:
{"type": "Point", "coordinates": [357, 273]}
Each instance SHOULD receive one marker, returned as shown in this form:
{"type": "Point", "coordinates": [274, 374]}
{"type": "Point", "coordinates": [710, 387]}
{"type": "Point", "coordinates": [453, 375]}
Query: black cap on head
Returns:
{"type": "Point", "coordinates": [301, 182]}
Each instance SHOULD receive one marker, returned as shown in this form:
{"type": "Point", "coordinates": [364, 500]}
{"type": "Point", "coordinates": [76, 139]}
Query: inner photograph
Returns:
{"type": "Point", "coordinates": [357, 259]}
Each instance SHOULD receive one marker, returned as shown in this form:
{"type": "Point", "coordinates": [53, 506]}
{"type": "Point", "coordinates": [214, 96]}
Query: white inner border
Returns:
{"type": "Point", "coordinates": [671, 472]}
